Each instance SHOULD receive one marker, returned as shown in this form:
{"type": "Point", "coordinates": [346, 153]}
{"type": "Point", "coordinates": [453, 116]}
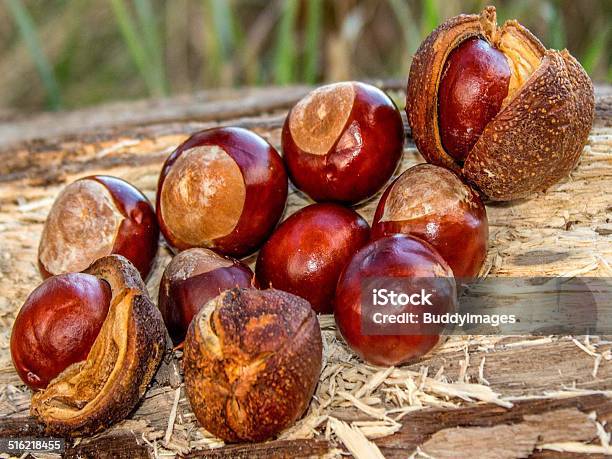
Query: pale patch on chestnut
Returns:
{"type": "Point", "coordinates": [196, 261]}
{"type": "Point", "coordinates": [318, 119]}
{"type": "Point", "coordinates": [441, 270]}
{"type": "Point", "coordinates": [206, 188]}
{"type": "Point", "coordinates": [81, 227]}
{"type": "Point", "coordinates": [191, 279]}
{"type": "Point", "coordinates": [432, 190]}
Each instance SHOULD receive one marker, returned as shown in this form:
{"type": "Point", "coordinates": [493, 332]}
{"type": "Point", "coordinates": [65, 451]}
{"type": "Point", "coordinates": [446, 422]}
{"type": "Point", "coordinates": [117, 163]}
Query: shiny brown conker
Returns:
{"type": "Point", "coordinates": [94, 217]}
{"type": "Point", "coordinates": [473, 86]}
{"type": "Point", "coordinates": [342, 142]}
{"type": "Point", "coordinates": [432, 203]}
{"type": "Point", "coordinates": [223, 189]}
{"type": "Point", "coordinates": [57, 325]}
{"type": "Point", "coordinates": [190, 280]}
{"type": "Point", "coordinates": [382, 264]}
{"type": "Point", "coordinates": [307, 252]}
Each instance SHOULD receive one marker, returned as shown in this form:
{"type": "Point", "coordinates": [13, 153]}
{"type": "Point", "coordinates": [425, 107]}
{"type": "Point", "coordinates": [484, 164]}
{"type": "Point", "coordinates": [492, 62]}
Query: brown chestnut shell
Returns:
{"type": "Point", "coordinates": [342, 142]}
{"type": "Point", "coordinates": [231, 206]}
{"type": "Point", "coordinates": [538, 135]}
{"type": "Point", "coordinates": [190, 280]}
{"type": "Point", "coordinates": [433, 204]}
{"type": "Point", "coordinates": [90, 396]}
{"type": "Point", "coordinates": [396, 256]}
{"type": "Point", "coordinates": [307, 252]}
{"type": "Point", "coordinates": [96, 216]}
{"type": "Point", "coordinates": [252, 359]}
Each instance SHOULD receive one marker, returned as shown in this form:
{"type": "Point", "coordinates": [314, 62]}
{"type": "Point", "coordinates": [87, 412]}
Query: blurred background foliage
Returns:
{"type": "Point", "coordinates": [62, 54]}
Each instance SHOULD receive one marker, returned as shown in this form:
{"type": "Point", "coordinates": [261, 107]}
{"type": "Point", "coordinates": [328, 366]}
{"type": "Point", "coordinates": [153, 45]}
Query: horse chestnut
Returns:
{"type": "Point", "coordinates": [223, 189]}
{"type": "Point", "coordinates": [342, 142]}
{"type": "Point", "coordinates": [57, 325]}
{"type": "Point", "coordinates": [106, 384]}
{"type": "Point", "coordinates": [94, 217]}
{"type": "Point", "coordinates": [382, 263]}
{"type": "Point", "coordinates": [307, 252]}
{"type": "Point", "coordinates": [474, 84]}
{"type": "Point", "coordinates": [252, 360]}
{"type": "Point", "coordinates": [190, 280]}
{"type": "Point", "coordinates": [432, 203]}
{"type": "Point", "coordinates": [494, 105]}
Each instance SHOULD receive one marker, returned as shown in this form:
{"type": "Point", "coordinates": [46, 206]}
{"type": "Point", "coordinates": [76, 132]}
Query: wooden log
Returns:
{"type": "Point", "coordinates": [515, 432]}
{"type": "Point", "coordinates": [562, 232]}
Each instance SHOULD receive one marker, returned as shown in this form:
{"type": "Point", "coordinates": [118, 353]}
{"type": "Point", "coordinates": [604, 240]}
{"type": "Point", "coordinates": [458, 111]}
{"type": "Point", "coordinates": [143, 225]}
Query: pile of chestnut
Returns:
{"type": "Point", "coordinates": [252, 342]}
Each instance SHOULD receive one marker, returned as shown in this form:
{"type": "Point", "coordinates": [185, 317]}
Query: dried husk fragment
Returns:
{"type": "Point", "coordinates": [252, 360]}
{"type": "Point", "coordinates": [90, 396]}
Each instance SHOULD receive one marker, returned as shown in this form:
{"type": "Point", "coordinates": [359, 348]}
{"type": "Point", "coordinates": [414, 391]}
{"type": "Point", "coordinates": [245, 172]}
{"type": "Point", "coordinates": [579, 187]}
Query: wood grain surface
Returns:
{"type": "Point", "coordinates": [477, 396]}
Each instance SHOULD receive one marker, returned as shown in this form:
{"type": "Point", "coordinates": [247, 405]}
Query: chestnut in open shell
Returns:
{"type": "Point", "coordinates": [432, 203]}
{"type": "Point", "coordinates": [307, 252]}
{"type": "Point", "coordinates": [252, 359]}
{"type": "Point", "coordinates": [493, 104]}
{"type": "Point", "coordinates": [94, 217]}
{"type": "Point", "coordinates": [190, 280]}
{"type": "Point", "coordinates": [388, 264]}
{"type": "Point", "coordinates": [91, 395]}
{"type": "Point", "coordinates": [342, 142]}
{"type": "Point", "coordinates": [57, 325]}
{"type": "Point", "coordinates": [224, 189]}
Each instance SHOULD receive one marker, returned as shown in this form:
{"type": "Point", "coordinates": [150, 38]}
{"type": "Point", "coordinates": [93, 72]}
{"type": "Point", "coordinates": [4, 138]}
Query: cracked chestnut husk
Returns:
{"type": "Point", "coordinates": [251, 360]}
{"type": "Point", "coordinates": [91, 395]}
{"type": "Point", "coordinates": [493, 104]}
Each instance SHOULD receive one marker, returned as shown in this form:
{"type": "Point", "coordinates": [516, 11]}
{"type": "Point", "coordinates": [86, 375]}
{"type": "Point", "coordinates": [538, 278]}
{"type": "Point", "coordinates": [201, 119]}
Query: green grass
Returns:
{"type": "Point", "coordinates": [145, 53]}
{"type": "Point", "coordinates": [595, 52]}
{"type": "Point", "coordinates": [314, 19]}
{"type": "Point", "coordinates": [137, 50]}
{"type": "Point", "coordinates": [149, 25]}
{"type": "Point", "coordinates": [431, 16]}
{"type": "Point", "coordinates": [222, 38]}
{"type": "Point", "coordinates": [27, 31]}
{"type": "Point", "coordinates": [408, 26]}
{"type": "Point", "coordinates": [556, 28]}
{"type": "Point", "coordinates": [285, 58]}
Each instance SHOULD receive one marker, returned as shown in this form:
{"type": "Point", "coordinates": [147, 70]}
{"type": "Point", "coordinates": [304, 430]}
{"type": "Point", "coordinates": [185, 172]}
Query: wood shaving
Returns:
{"type": "Point", "coordinates": [172, 416]}
{"type": "Point", "coordinates": [377, 413]}
{"type": "Point", "coordinates": [355, 441]}
{"type": "Point", "coordinates": [463, 366]}
{"type": "Point", "coordinates": [481, 378]}
{"type": "Point", "coordinates": [576, 447]}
